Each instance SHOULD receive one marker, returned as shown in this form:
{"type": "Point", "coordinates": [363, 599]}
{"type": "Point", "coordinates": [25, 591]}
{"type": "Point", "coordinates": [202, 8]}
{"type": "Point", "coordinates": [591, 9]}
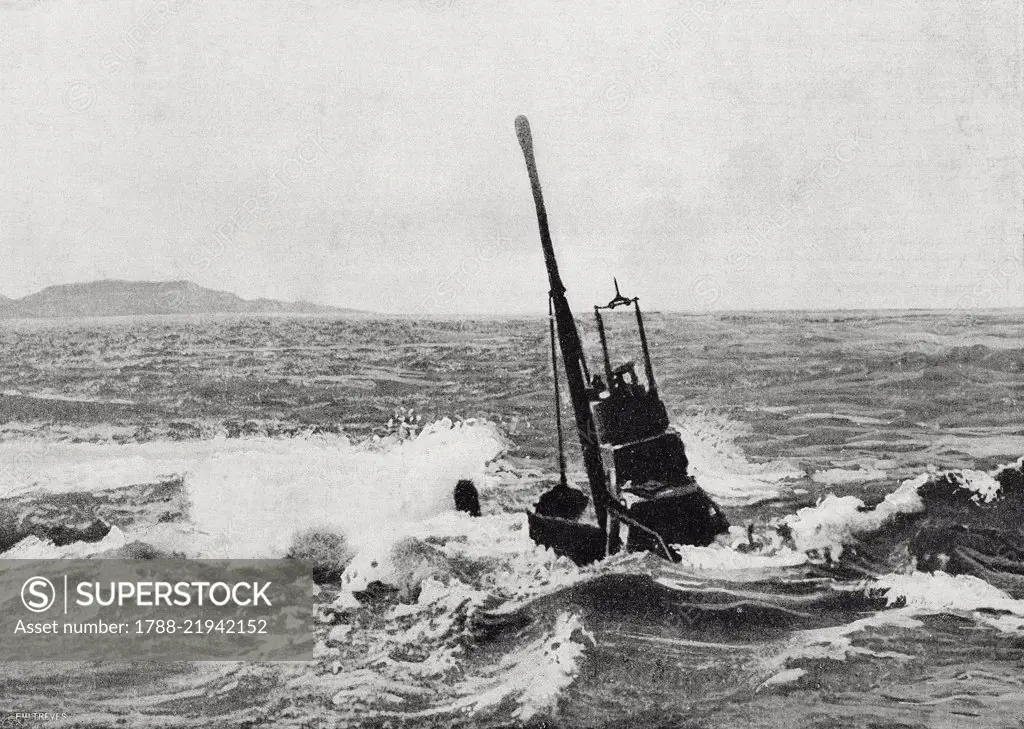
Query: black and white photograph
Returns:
{"type": "Point", "coordinates": [548, 364]}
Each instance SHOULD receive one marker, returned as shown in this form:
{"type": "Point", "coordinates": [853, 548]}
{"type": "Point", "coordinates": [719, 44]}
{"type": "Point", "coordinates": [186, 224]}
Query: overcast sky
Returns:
{"type": "Point", "coordinates": [711, 154]}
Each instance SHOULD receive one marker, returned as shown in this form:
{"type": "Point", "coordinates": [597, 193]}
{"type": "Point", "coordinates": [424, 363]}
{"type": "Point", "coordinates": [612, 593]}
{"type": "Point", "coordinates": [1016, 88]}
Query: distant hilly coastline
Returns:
{"type": "Point", "coordinates": [135, 298]}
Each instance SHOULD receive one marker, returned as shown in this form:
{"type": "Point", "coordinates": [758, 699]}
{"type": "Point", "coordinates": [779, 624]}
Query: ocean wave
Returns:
{"type": "Point", "coordinates": [438, 617]}
{"type": "Point", "coordinates": [721, 467]}
{"type": "Point", "coordinates": [940, 592]}
{"type": "Point", "coordinates": [254, 500]}
{"type": "Point", "coordinates": [249, 497]}
{"type": "Point", "coordinates": [34, 547]}
{"type": "Point", "coordinates": [838, 522]}
{"type": "Point", "coordinates": [836, 476]}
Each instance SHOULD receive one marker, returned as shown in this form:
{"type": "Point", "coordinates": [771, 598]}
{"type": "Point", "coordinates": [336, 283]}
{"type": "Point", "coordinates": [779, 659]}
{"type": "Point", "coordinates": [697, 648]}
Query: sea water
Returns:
{"type": "Point", "coordinates": [872, 453]}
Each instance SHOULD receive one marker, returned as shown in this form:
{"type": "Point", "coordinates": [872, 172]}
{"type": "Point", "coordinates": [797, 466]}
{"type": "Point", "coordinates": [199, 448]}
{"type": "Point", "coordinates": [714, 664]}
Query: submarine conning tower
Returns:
{"type": "Point", "coordinates": [636, 463]}
{"type": "Point", "coordinates": [644, 459]}
{"type": "Point", "coordinates": [624, 410]}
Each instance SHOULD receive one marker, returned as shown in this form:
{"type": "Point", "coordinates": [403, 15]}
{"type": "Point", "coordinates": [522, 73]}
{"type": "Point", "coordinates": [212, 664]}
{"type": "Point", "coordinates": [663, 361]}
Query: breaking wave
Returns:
{"type": "Point", "coordinates": [721, 467]}
{"type": "Point", "coordinates": [250, 497]}
{"type": "Point", "coordinates": [436, 615]}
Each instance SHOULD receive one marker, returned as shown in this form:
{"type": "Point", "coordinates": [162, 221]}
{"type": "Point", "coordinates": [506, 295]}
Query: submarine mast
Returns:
{"type": "Point", "coordinates": [568, 339]}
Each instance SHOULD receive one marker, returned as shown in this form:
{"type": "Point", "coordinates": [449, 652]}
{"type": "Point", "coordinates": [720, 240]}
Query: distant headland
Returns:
{"type": "Point", "coordinates": [133, 298]}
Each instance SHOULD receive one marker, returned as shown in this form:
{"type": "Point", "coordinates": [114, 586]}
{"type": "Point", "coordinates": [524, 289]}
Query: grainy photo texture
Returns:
{"type": "Point", "coordinates": [451, 363]}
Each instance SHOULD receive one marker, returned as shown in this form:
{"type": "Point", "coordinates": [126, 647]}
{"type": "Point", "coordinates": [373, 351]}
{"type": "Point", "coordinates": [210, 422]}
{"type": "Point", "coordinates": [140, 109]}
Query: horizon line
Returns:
{"type": "Point", "coordinates": [509, 314]}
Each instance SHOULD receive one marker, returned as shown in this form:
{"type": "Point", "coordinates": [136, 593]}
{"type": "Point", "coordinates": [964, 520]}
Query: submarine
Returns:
{"type": "Point", "coordinates": [636, 464]}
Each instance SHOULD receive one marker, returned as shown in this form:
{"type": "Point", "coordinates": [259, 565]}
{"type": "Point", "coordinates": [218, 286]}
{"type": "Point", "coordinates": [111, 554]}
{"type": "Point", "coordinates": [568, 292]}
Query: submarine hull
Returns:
{"type": "Point", "coordinates": [687, 517]}
{"type": "Point", "coordinates": [581, 542]}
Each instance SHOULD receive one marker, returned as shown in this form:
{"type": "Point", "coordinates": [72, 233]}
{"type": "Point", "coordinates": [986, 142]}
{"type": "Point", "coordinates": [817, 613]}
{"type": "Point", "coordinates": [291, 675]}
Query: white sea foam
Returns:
{"type": "Point", "coordinates": [910, 596]}
{"type": "Point", "coordinates": [790, 675]}
{"type": "Point", "coordinates": [250, 496]}
{"type": "Point", "coordinates": [984, 486]}
{"type": "Point", "coordinates": [836, 644]}
{"type": "Point", "coordinates": [938, 592]}
{"type": "Point", "coordinates": [942, 592]}
{"type": "Point", "coordinates": [78, 467]}
{"type": "Point", "coordinates": [494, 553]}
{"type": "Point", "coordinates": [836, 520]}
{"type": "Point", "coordinates": [851, 417]}
{"type": "Point", "coordinates": [533, 676]}
{"type": "Point", "coordinates": [836, 476]}
{"type": "Point", "coordinates": [254, 500]}
{"type": "Point", "coordinates": [540, 673]}
{"type": "Point", "coordinates": [720, 558]}
{"type": "Point", "coordinates": [722, 469]}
